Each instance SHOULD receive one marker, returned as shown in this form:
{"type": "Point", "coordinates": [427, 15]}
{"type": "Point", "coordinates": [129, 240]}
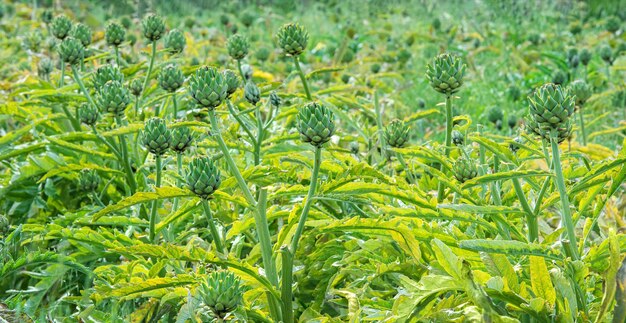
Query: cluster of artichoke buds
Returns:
{"type": "Point", "coordinates": [315, 122]}
{"type": "Point", "coordinates": [157, 138]}
{"type": "Point", "coordinates": [222, 292]}
{"type": "Point", "coordinates": [445, 74]}
{"type": "Point", "coordinates": [396, 134]}
{"type": "Point", "coordinates": [203, 177]}
{"type": "Point", "coordinates": [464, 169]}
{"type": "Point", "coordinates": [550, 109]}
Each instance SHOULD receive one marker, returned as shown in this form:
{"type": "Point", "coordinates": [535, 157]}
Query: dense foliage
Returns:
{"type": "Point", "coordinates": [379, 161]}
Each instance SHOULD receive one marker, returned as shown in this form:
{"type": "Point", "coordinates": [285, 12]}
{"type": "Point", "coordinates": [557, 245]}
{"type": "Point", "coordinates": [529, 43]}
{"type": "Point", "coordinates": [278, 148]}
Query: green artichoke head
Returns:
{"type": "Point", "coordinates": [584, 56]}
{"type": "Point", "coordinates": [114, 34]}
{"type": "Point", "coordinates": [113, 98]}
{"type": "Point", "coordinates": [606, 53]}
{"type": "Point", "coordinates": [315, 123]}
{"type": "Point", "coordinates": [275, 100]}
{"type": "Point", "coordinates": [232, 81]}
{"type": "Point", "coordinates": [252, 93]}
{"type": "Point", "coordinates": [105, 74]}
{"type": "Point", "coordinates": [44, 67]}
{"type": "Point", "coordinates": [512, 121]}
{"type": "Point", "coordinates": [61, 26]}
{"type": "Point", "coordinates": [171, 78]}
{"type": "Point", "coordinates": [47, 16]}
{"type": "Point", "coordinates": [83, 33]}
{"type": "Point", "coordinates": [445, 74]}
{"type": "Point", "coordinates": [292, 38]}
{"type": "Point", "coordinates": [551, 106]}
{"type": "Point", "coordinates": [208, 87]}
{"type": "Point", "coordinates": [71, 50]}
{"type": "Point", "coordinates": [247, 18]}
{"type": "Point", "coordinates": [464, 169]}
{"type": "Point", "coordinates": [89, 114]}
{"type": "Point", "coordinates": [175, 41]}
{"type": "Point", "coordinates": [203, 177]}
{"type": "Point", "coordinates": [581, 90]}
{"type": "Point", "coordinates": [396, 134]}
{"type": "Point", "coordinates": [238, 46]}
{"type": "Point", "coordinates": [153, 27]}
{"type": "Point", "coordinates": [513, 93]}
{"type": "Point", "coordinates": [458, 139]}
{"type": "Point", "coordinates": [136, 87]}
{"type": "Point", "coordinates": [157, 138]}
{"type": "Point", "coordinates": [494, 114]}
{"type": "Point", "coordinates": [222, 292]}
{"type": "Point", "coordinates": [88, 180]}
{"type": "Point", "coordinates": [182, 139]}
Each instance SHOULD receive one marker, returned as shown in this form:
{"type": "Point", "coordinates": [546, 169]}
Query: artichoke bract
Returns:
{"type": "Point", "coordinates": [153, 27]}
{"type": "Point", "coordinates": [181, 139]}
{"type": "Point", "coordinates": [207, 87]}
{"type": "Point", "coordinates": [222, 292]}
{"type": "Point", "coordinates": [175, 41]}
{"type": "Point", "coordinates": [238, 46]}
{"type": "Point", "coordinates": [232, 81]}
{"type": "Point", "coordinates": [445, 74]}
{"type": "Point", "coordinates": [396, 134]}
{"type": "Point", "coordinates": [315, 123]}
{"type": "Point", "coordinates": [61, 27]}
{"type": "Point", "coordinates": [105, 74]}
{"type": "Point", "coordinates": [171, 78]}
{"type": "Point", "coordinates": [581, 90]}
{"type": "Point", "coordinates": [157, 138]}
{"type": "Point", "coordinates": [88, 180]}
{"type": "Point", "coordinates": [71, 50]}
{"type": "Point", "coordinates": [252, 93]}
{"type": "Point", "coordinates": [464, 169]}
{"type": "Point", "coordinates": [292, 38]}
{"type": "Point", "coordinates": [203, 177]}
{"type": "Point", "coordinates": [89, 114]}
{"type": "Point", "coordinates": [82, 33]}
{"type": "Point", "coordinates": [114, 34]}
{"type": "Point", "coordinates": [113, 98]}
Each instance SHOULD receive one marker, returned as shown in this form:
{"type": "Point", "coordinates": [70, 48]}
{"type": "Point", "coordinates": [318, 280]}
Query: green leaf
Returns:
{"type": "Point", "coordinates": [540, 280]}
{"type": "Point", "coordinates": [143, 197]}
{"type": "Point", "coordinates": [499, 265]}
{"type": "Point", "coordinates": [447, 259]}
{"type": "Point", "coordinates": [504, 176]}
{"type": "Point", "coordinates": [510, 247]}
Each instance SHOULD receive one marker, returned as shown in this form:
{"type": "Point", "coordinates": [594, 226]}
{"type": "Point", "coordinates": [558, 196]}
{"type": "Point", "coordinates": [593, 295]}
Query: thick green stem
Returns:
{"type": "Point", "coordinates": [62, 79]}
{"type": "Point", "coordinates": [582, 125]}
{"type": "Point", "coordinates": [440, 189]}
{"type": "Point", "coordinates": [379, 125]}
{"type": "Point", "coordinates": [213, 228]}
{"type": "Point", "coordinates": [78, 80]}
{"type": "Point", "coordinates": [303, 78]}
{"type": "Point", "coordinates": [235, 115]}
{"type": "Point", "coordinates": [179, 171]}
{"type": "Point", "coordinates": [259, 138]}
{"type": "Point", "coordinates": [309, 200]}
{"type": "Point", "coordinates": [566, 216]}
{"type": "Point", "coordinates": [155, 203]}
{"type": "Point", "coordinates": [243, 76]}
{"type": "Point", "coordinates": [531, 219]}
{"type": "Point", "coordinates": [126, 160]}
{"type": "Point", "coordinates": [175, 105]}
{"type": "Point", "coordinates": [117, 57]}
{"type": "Point", "coordinates": [286, 292]}
{"type": "Point", "coordinates": [147, 79]}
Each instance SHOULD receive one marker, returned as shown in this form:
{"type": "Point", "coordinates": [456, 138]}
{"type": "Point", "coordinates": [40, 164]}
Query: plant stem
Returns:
{"type": "Point", "coordinates": [175, 105]}
{"type": "Point", "coordinates": [302, 77]}
{"type": "Point", "coordinates": [379, 124]}
{"type": "Point", "coordinates": [179, 171]}
{"type": "Point", "coordinates": [117, 57]}
{"type": "Point", "coordinates": [440, 189]}
{"type": "Point", "coordinates": [560, 183]}
{"type": "Point", "coordinates": [239, 120]}
{"type": "Point", "coordinates": [582, 125]}
{"type": "Point", "coordinates": [126, 161]}
{"type": "Point", "coordinates": [259, 139]}
{"type": "Point", "coordinates": [78, 80]}
{"type": "Point", "coordinates": [286, 292]}
{"type": "Point", "coordinates": [531, 219]}
{"type": "Point", "coordinates": [61, 80]}
{"type": "Point", "coordinates": [243, 76]}
{"type": "Point", "coordinates": [309, 200]}
{"type": "Point", "coordinates": [155, 203]}
{"type": "Point", "coordinates": [213, 228]}
{"type": "Point", "coordinates": [145, 81]}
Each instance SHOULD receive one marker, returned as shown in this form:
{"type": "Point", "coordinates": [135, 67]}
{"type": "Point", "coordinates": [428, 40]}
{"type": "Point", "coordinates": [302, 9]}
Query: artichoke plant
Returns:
{"type": "Point", "coordinates": [113, 98]}
{"type": "Point", "coordinates": [315, 123]}
{"type": "Point", "coordinates": [292, 38]}
{"type": "Point", "coordinates": [232, 81]}
{"type": "Point", "coordinates": [175, 41]}
{"type": "Point", "coordinates": [71, 51]}
{"type": "Point", "coordinates": [445, 74]}
{"type": "Point", "coordinates": [203, 177]}
{"type": "Point", "coordinates": [114, 34]}
{"type": "Point", "coordinates": [238, 46]}
{"type": "Point", "coordinates": [89, 114]}
{"type": "Point", "coordinates": [82, 33]}
{"type": "Point", "coordinates": [105, 74]}
{"type": "Point", "coordinates": [153, 27]}
{"type": "Point", "coordinates": [157, 138]}
{"type": "Point", "coordinates": [61, 27]}
{"type": "Point", "coordinates": [252, 93]}
{"type": "Point", "coordinates": [550, 109]}
{"type": "Point", "coordinates": [464, 169]}
{"type": "Point", "coordinates": [181, 139]}
{"type": "Point", "coordinates": [88, 180]}
{"type": "Point", "coordinates": [222, 292]}
{"type": "Point", "coordinates": [396, 134]}
{"type": "Point", "coordinates": [208, 87]}
{"type": "Point", "coordinates": [171, 78]}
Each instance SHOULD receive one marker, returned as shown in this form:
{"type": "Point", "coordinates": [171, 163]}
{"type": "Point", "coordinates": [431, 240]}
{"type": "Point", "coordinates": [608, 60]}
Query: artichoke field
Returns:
{"type": "Point", "coordinates": [329, 161]}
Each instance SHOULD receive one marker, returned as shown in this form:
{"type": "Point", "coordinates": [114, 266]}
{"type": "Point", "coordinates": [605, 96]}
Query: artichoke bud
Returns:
{"type": "Point", "coordinates": [551, 106]}
{"type": "Point", "coordinates": [47, 16]}
{"type": "Point", "coordinates": [275, 100]}
{"type": "Point", "coordinates": [252, 93]}
{"type": "Point", "coordinates": [208, 87]}
{"type": "Point", "coordinates": [71, 50]}
{"type": "Point", "coordinates": [171, 78]}
{"type": "Point", "coordinates": [606, 53]}
{"type": "Point", "coordinates": [222, 292]}
{"type": "Point", "coordinates": [153, 27]}
{"type": "Point", "coordinates": [315, 123]}
{"type": "Point", "coordinates": [232, 81]}
{"type": "Point", "coordinates": [224, 19]}
{"type": "Point", "coordinates": [512, 121]}
{"type": "Point", "coordinates": [421, 103]}
{"type": "Point", "coordinates": [293, 39]}
{"type": "Point", "coordinates": [445, 74]}
{"type": "Point", "coordinates": [82, 33]}
{"type": "Point", "coordinates": [464, 169]}
{"type": "Point", "coordinates": [513, 92]}
{"type": "Point", "coordinates": [88, 180]}
{"type": "Point", "coordinates": [61, 27]}
{"type": "Point", "coordinates": [581, 90]}
{"type": "Point", "coordinates": [238, 46]}
{"type": "Point", "coordinates": [89, 114]}
{"type": "Point", "coordinates": [457, 138]}
{"type": "Point", "coordinates": [262, 54]}
{"type": "Point", "coordinates": [354, 147]}
{"type": "Point", "coordinates": [559, 77]}
{"type": "Point", "coordinates": [113, 98]}
{"type": "Point", "coordinates": [175, 41]}
{"type": "Point", "coordinates": [136, 87]}
{"type": "Point", "coordinates": [114, 34]}
{"type": "Point", "coordinates": [494, 114]}
{"type": "Point", "coordinates": [181, 139]}
{"type": "Point", "coordinates": [157, 138]}
{"type": "Point", "coordinates": [105, 74]}
{"type": "Point", "coordinates": [247, 18]}
{"type": "Point", "coordinates": [32, 42]}
{"type": "Point", "coordinates": [375, 68]}
{"type": "Point", "coordinates": [584, 56]}
{"type": "Point", "coordinates": [247, 71]}
{"type": "Point", "coordinates": [612, 24]}
{"type": "Point", "coordinates": [44, 67]}
{"type": "Point", "coordinates": [203, 177]}
{"type": "Point", "coordinates": [396, 134]}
